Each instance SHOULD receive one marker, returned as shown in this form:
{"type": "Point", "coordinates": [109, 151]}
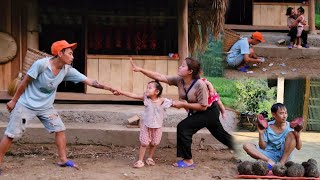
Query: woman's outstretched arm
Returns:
{"type": "Point", "coordinates": [150, 74]}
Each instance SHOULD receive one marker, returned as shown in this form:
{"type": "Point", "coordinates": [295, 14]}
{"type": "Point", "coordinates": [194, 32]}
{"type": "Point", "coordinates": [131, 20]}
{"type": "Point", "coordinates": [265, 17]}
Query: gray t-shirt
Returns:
{"type": "Point", "coordinates": [41, 91]}
{"type": "Point", "coordinates": [197, 94]}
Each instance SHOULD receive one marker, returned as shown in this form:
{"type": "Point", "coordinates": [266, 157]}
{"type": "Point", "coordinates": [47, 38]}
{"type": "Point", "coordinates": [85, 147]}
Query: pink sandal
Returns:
{"type": "Point", "coordinates": [138, 164]}
{"type": "Point", "coordinates": [150, 162]}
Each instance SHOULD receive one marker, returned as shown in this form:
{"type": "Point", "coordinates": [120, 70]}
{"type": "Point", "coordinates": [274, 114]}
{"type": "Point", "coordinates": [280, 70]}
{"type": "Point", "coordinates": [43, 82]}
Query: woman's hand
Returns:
{"type": "Point", "coordinates": [178, 104]}
{"type": "Point", "coordinates": [10, 105]}
{"type": "Point", "coordinates": [135, 68]}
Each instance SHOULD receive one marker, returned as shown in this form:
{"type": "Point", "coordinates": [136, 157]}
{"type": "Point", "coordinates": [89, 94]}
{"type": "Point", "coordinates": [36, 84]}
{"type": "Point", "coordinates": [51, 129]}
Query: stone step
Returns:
{"type": "Point", "coordinates": [284, 52]}
{"type": "Point", "coordinates": [106, 134]}
{"type": "Point", "coordinates": [272, 38]}
{"type": "Point", "coordinates": [114, 114]}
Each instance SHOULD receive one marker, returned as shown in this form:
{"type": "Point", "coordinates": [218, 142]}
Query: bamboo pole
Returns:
{"type": "Point", "coordinates": [306, 104]}
{"type": "Point", "coordinates": [280, 90]}
{"type": "Point", "coordinates": [32, 24]}
{"type": "Point", "coordinates": [312, 18]}
{"type": "Point", "coordinates": [182, 29]}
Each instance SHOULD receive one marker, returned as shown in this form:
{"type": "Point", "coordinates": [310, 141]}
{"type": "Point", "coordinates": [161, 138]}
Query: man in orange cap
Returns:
{"type": "Point", "coordinates": [241, 54]}
{"type": "Point", "coordinates": [35, 96]}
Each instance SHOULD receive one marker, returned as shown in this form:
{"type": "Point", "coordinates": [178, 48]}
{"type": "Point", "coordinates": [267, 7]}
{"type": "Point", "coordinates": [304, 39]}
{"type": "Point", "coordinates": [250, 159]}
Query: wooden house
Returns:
{"type": "Point", "coordinates": [266, 14]}
{"type": "Point", "coordinates": [108, 33]}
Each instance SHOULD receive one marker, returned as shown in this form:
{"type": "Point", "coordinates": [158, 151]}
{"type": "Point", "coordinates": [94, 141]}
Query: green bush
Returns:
{"type": "Point", "coordinates": [254, 95]}
{"type": "Point", "coordinates": [211, 60]}
{"type": "Point", "coordinates": [226, 89]}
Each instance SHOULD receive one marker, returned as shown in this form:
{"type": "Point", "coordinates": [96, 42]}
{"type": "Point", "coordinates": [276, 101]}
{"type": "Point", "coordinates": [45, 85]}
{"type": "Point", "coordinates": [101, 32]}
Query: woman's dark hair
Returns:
{"type": "Point", "coordinates": [301, 10]}
{"type": "Point", "coordinates": [277, 106]}
{"type": "Point", "coordinates": [158, 87]}
{"type": "Point", "coordinates": [289, 10]}
{"type": "Point", "coordinates": [195, 66]}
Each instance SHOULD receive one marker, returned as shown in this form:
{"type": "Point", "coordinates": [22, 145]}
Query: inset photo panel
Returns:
{"type": "Point", "coordinates": [278, 127]}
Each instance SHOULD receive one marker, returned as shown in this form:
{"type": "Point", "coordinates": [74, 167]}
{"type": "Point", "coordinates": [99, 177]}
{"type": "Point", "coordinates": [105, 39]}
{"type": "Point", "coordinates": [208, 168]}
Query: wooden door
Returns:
{"type": "Point", "coordinates": [239, 12]}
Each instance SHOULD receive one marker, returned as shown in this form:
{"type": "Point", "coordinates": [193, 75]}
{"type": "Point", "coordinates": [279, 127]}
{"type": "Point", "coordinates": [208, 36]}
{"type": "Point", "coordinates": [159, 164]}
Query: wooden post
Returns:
{"type": "Point", "coordinates": [182, 29]}
{"type": "Point", "coordinates": [312, 19]}
{"type": "Point", "coordinates": [306, 104]}
{"type": "Point", "coordinates": [32, 24]}
{"type": "Point", "coordinates": [280, 90]}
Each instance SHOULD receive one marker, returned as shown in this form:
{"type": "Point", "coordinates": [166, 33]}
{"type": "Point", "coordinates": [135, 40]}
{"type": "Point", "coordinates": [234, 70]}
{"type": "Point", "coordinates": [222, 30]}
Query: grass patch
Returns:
{"type": "Point", "coordinates": [226, 89]}
{"type": "Point", "coordinates": [318, 20]}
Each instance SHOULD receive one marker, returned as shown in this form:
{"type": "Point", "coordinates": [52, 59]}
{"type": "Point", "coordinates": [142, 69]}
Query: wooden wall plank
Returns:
{"type": "Point", "coordinates": [93, 73]}
{"type": "Point", "coordinates": [138, 78]}
{"type": "Point", "coordinates": [256, 15]}
{"type": "Point", "coordinates": [161, 67]}
{"type": "Point", "coordinates": [126, 78]}
{"type": "Point", "coordinates": [116, 73]}
{"type": "Point", "coordinates": [104, 69]}
{"type": "Point", "coordinates": [172, 70]}
{"type": "Point", "coordinates": [150, 65]}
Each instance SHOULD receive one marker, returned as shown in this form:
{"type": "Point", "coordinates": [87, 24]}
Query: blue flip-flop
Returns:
{"type": "Point", "coordinates": [243, 69]}
{"type": "Point", "coordinates": [269, 166]}
{"type": "Point", "coordinates": [69, 163]}
{"type": "Point", "coordinates": [182, 164]}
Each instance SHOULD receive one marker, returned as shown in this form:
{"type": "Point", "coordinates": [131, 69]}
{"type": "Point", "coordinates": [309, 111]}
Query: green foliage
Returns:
{"type": "Point", "coordinates": [254, 95]}
{"type": "Point", "coordinates": [318, 20]}
{"type": "Point", "coordinates": [211, 60]}
{"type": "Point", "coordinates": [226, 88]}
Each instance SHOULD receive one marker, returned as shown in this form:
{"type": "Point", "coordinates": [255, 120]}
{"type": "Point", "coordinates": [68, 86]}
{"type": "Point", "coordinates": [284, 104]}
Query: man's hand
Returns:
{"type": "Point", "coordinates": [135, 68]}
{"type": "Point", "coordinates": [10, 105]}
{"type": "Point", "coordinates": [260, 129]}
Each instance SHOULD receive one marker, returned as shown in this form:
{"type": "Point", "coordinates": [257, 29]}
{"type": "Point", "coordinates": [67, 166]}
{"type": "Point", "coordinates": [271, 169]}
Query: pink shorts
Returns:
{"type": "Point", "coordinates": [150, 135]}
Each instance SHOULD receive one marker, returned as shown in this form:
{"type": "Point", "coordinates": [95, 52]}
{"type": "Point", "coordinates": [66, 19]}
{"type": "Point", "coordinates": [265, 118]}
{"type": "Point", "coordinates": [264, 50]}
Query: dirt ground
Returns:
{"type": "Point", "coordinates": [36, 161]}
{"type": "Point", "coordinates": [273, 67]}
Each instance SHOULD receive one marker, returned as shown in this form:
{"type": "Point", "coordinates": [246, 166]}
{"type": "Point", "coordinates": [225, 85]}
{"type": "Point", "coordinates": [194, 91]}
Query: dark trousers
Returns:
{"type": "Point", "coordinates": [293, 35]}
{"type": "Point", "coordinates": [189, 126]}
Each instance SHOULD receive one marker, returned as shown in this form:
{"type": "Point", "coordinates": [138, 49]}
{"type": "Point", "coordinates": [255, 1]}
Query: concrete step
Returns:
{"type": "Point", "coordinates": [106, 124]}
{"type": "Point", "coordinates": [105, 134]}
{"type": "Point", "coordinates": [266, 50]}
{"type": "Point", "coordinates": [271, 48]}
{"type": "Point", "coordinates": [114, 114]}
{"type": "Point", "coordinates": [272, 38]}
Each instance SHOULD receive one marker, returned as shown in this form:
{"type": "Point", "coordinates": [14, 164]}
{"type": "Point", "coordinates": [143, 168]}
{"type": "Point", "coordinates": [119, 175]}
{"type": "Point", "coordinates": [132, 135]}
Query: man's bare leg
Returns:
{"type": "Point", "coordinates": [252, 151]}
{"type": "Point", "coordinates": [4, 146]}
{"type": "Point", "coordinates": [289, 146]}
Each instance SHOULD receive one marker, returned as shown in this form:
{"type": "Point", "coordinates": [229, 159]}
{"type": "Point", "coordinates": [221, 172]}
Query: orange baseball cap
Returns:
{"type": "Point", "coordinates": [57, 46]}
{"type": "Point", "coordinates": [258, 36]}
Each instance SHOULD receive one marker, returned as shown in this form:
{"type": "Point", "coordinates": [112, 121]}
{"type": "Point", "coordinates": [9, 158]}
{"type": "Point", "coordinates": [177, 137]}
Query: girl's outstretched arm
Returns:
{"type": "Point", "coordinates": [150, 74]}
{"type": "Point", "coordinates": [130, 95]}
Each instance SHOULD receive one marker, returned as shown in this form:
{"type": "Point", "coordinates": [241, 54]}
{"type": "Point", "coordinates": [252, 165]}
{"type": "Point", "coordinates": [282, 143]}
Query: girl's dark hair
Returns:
{"type": "Point", "coordinates": [158, 87]}
{"type": "Point", "coordinates": [277, 106]}
{"type": "Point", "coordinates": [301, 10]}
{"type": "Point", "coordinates": [289, 10]}
{"type": "Point", "coordinates": [195, 66]}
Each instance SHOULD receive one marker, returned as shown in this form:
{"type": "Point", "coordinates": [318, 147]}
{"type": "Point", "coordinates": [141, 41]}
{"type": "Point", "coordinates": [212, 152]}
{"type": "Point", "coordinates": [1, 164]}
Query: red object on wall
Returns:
{"type": "Point", "coordinates": [108, 42]}
{"type": "Point", "coordinates": [118, 38]}
{"type": "Point", "coordinates": [153, 41]}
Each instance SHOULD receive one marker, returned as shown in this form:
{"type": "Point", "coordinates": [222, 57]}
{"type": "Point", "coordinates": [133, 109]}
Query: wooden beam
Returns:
{"type": "Point", "coordinates": [306, 104]}
{"type": "Point", "coordinates": [280, 90]}
{"type": "Point", "coordinates": [182, 29]}
{"type": "Point", "coordinates": [312, 19]}
{"type": "Point", "coordinates": [259, 28]}
{"type": "Point", "coordinates": [32, 24]}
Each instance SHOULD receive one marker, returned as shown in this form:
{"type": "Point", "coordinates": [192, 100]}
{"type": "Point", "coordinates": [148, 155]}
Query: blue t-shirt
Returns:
{"type": "Point", "coordinates": [275, 142]}
{"type": "Point", "coordinates": [241, 47]}
{"type": "Point", "coordinates": [41, 91]}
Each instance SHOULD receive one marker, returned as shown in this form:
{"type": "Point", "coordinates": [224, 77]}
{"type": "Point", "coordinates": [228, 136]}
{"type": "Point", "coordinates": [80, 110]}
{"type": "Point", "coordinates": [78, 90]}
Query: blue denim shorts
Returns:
{"type": "Point", "coordinates": [235, 61]}
{"type": "Point", "coordinates": [21, 116]}
{"type": "Point", "coordinates": [275, 156]}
